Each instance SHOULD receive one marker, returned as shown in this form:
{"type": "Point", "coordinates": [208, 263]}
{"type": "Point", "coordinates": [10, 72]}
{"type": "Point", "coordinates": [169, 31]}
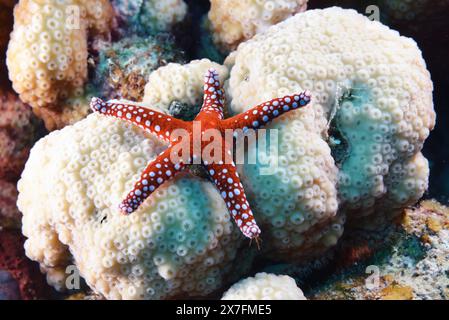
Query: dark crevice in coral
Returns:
{"type": "Point", "coordinates": [183, 111]}
{"type": "Point", "coordinates": [338, 144]}
{"type": "Point", "coordinates": [337, 141]}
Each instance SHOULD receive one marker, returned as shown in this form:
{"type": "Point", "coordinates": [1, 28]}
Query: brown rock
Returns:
{"type": "Point", "coordinates": [10, 216]}
{"type": "Point", "coordinates": [19, 129]}
{"type": "Point", "coordinates": [396, 292]}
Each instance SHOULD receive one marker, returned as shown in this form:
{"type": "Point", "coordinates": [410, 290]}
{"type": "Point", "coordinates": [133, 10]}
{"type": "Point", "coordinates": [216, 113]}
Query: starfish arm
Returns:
{"type": "Point", "coordinates": [227, 181]}
{"type": "Point", "coordinates": [155, 174]}
{"type": "Point", "coordinates": [155, 122]}
{"type": "Point", "coordinates": [267, 111]}
{"type": "Point", "coordinates": [214, 97]}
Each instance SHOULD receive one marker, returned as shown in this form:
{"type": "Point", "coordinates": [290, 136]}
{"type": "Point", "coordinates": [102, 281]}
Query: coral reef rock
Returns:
{"type": "Point", "coordinates": [10, 216]}
{"type": "Point", "coordinates": [124, 66]}
{"type": "Point", "coordinates": [265, 286]}
{"type": "Point", "coordinates": [408, 260]}
{"type": "Point", "coordinates": [19, 129]}
{"type": "Point", "coordinates": [357, 148]}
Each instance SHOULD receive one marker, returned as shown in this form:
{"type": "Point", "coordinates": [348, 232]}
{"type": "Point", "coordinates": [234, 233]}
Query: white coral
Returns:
{"type": "Point", "coordinates": [180, 243]}
{"type": "Point", "coordinates": [265, 286]}
{"type": "Point", "coordinates": [235, 21]}
{"type": "Point", "coordinates": [47, 53]}
{"type": "Point", "coordinates": [372, 103]}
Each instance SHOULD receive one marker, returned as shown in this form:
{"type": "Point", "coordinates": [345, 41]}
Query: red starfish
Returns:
{"type": "Point", "coordinates": [222, 172]}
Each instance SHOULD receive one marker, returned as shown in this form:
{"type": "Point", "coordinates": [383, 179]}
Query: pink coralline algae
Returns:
{"type": "Point", "coordinates": [32, 284]}
{"type": "Point", "coordinates": [19, 129]}
{"type": "Point", "coordinates": [9, 213]}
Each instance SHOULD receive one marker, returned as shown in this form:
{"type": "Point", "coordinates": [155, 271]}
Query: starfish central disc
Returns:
{"type": "Point", "coordinates": [222, 172]}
